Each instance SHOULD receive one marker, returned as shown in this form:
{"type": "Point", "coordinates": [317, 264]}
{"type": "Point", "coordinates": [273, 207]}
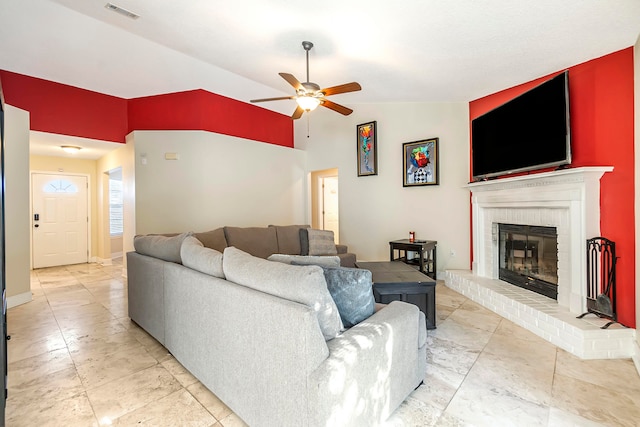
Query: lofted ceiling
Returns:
{"type": "Point", "coordinates": [408, 51]}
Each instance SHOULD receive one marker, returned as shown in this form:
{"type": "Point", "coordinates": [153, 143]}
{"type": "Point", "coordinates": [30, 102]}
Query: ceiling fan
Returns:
{"type": "Point", "coordinates": [309, 95]}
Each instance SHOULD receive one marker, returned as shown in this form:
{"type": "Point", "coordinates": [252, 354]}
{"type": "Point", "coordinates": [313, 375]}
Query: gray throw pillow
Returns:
{"type": "Point", "coordinates": [304, 284]}
{"type": "Point", "coordinates": [289, 238]}
{"type": "Point", "coordinates": [324, 261]}
{"type": "Point", "coordinates": [321, 242]}
{"type": "Point", "coordinates": [205, 260]}
{"type": "Point", "coordinates": [304, 241]}
{"type": "Point", "coordinates": [162, 247]}
{"type": "Point", "coordinates": [352, 291]}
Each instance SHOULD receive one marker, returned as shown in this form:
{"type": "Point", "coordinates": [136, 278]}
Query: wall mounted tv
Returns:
{"type": "Point", "coordinates": [529, 132]}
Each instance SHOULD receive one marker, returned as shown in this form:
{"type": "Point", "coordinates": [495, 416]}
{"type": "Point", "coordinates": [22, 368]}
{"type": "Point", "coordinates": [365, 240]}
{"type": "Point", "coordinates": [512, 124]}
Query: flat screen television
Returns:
{"type": "Point", "coordinates": [529, 132]}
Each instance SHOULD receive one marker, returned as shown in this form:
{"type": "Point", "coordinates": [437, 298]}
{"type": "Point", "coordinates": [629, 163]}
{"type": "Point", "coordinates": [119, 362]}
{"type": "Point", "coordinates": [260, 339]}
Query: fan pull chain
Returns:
{"type": "Point", "coordinates": [307, 126]}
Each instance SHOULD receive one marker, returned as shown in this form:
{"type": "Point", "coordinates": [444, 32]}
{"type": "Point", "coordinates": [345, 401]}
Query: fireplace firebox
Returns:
{"type": "Point", "coordinates": [529, 257]}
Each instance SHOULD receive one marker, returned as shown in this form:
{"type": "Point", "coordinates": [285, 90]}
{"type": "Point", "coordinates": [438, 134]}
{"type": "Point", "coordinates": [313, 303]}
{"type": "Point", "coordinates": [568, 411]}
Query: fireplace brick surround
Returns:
{"type": "Point", "coordinates": [568, 199]}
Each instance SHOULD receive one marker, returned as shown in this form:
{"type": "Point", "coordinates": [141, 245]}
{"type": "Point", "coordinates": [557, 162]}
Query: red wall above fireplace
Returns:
{"type": "Point", "coordinates": [602, 132]}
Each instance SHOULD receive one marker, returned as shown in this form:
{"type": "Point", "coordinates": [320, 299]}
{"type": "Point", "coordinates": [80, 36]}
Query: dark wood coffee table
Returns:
{"type": "Point", "coordinates": [395, 280]}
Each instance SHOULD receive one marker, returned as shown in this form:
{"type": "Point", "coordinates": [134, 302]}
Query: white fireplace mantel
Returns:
{"type": "Point", "coordinates": [570, 175]}
{"type": "Point", "coordinates": [568, 199]}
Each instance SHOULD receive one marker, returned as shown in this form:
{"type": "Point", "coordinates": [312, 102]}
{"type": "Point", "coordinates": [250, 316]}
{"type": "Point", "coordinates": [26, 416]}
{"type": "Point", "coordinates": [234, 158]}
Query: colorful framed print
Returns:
{"type": "Point", "coordinates": [367, 149]}
{"type": "Point", "coordinates": [420, 163]}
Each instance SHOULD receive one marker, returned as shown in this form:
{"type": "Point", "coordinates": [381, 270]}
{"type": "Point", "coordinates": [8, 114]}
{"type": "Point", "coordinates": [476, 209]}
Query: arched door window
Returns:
{"type": "Point", "coordinates": [60, 186]}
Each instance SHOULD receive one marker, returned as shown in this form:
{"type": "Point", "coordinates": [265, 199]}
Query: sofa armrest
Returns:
{"type": "Point", "coordinates": [342, 249]}
{"type": "Point", "coordinates": [347, 260]}
{"type": "Point", "coordinates": [387, 343]}
{"type": "Point", "coordinates": [145, 285]}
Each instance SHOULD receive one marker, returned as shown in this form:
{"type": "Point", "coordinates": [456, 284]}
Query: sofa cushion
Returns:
{"type": "Point", "coordinates": [325, 261]}
{"type": "Point", "coordinates": [289, 238]}
{"type": "Point", "coordinates": [304, 284]}
{"type": "Point", "coordinates": [213, 239]}
{"type": "Point", "coordinates": [321, 242]}
{"type": "Point", "coordinates": [352, 291]}
{"type": "Point", "coordinates": [162, 247]}
{"type": "Point", "coordinates": [205, 260]}
{"type": "Point", "coordinates": [257, 241]}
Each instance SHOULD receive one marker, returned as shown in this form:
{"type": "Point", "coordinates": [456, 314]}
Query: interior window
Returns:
{"type": "Point", "coordinates": [115, 207]}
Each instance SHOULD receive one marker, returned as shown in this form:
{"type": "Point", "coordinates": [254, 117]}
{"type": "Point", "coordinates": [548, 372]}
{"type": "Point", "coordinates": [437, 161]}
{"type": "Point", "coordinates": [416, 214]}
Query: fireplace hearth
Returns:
{"type": "Point", "coordinates": [528, 257]}
{"type": "Point", "coordinates": [569, 201]}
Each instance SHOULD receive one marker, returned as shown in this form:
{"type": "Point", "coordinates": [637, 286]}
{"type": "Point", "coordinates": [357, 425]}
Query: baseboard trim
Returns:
{"type": "Point", "coordinates": [19, 299]}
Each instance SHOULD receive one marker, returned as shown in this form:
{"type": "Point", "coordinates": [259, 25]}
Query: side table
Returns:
{"type": "Point", "coordinates": [426, 250]}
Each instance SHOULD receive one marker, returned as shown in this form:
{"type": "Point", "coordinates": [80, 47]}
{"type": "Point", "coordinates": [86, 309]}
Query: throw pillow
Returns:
{"type": "Point", "coordinates": [289, 238]}
{"type": "Point", "coordinates": [352, 291]}
{"type": "Point", "coordinates": [163, 247]}
{"type": "Point", "coordinates": [324, 261]}
{"type": "Point", "coordinates": [205, 260]}
{"type": "Point", "coordinates": [304, 241]}
{"type": "Point", "coordinates": [321, 242]}
{"type": "Point", "coordinates": [305, 285]}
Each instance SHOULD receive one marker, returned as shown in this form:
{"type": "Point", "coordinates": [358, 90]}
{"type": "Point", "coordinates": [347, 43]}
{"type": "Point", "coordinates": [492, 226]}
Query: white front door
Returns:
{"type": "Point", "coordinates": [59, 219]}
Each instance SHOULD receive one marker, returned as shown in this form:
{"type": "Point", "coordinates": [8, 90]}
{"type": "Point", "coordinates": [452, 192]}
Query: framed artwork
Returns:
{"type": "Point", "coordinates": [367, 149]}
{"type": "Point", "coordinates": [420, 163]}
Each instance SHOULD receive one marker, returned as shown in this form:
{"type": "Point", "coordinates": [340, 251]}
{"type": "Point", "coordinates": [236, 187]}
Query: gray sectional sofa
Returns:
{"type": "Point", "coordinates": [265, 241]}
{"type": "Point", "coordinates": [265, 339]}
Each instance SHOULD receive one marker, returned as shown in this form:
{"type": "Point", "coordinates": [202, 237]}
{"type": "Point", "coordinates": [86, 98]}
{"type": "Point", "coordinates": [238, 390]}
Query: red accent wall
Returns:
{"type": "Point", "coordinates": [602, 134]}
{"type": "Point", "coordinates": [68, 110]}
{"type": "Point", "coordinates": [199, 109]}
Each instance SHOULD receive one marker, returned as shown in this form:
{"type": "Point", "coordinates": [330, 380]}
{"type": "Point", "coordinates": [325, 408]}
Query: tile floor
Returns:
{"type": "Point", "coordinates": [75, 359]}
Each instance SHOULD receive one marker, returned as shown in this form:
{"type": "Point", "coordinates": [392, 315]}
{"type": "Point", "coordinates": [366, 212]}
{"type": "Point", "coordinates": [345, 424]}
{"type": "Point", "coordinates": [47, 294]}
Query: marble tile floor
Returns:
{"type": "Point", "coordinates": [76, 359]}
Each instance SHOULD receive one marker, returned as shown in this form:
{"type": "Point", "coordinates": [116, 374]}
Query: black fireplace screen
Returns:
{"type": "Point", "coordinates": [529, 257]}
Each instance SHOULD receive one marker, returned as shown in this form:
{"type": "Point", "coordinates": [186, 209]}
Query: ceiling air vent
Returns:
{"type": "Point", "coordinates": [121, 11]}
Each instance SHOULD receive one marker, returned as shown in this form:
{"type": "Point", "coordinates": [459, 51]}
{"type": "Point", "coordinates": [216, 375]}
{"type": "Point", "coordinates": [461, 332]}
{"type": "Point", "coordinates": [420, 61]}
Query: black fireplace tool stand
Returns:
{"type": "Point", "coordinates": [601, 279]}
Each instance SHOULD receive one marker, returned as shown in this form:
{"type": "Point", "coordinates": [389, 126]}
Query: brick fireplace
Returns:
{"type": "Point", "coordinates": [569, 201]}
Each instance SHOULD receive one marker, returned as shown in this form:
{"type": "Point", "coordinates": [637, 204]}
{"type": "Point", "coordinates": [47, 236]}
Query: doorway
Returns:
{"type": "Point", "coordinates": [325, 201]}
{"type": "Point", "coordinates": [60, 219]}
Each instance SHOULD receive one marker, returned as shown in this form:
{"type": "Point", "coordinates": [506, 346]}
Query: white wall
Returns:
{"type": "Point", "coordinates": [17, 211]}
{"type": "Point", "coordinates": [377, 209]}
{"type": "Point", "coordinates": [218, 180]}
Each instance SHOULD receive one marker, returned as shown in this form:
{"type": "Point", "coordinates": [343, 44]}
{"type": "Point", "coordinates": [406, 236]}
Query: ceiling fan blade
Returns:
{"type": "Point", "coordinates": [347, 87]}
{"type": "Point", "coordinates": [336, 107]}
{"type": "Point", "coordinates": [298, 113]}
{"type": "Point", "coordinates": [272, 99]}
{"type": "Point", "coordinates": [292, 81]}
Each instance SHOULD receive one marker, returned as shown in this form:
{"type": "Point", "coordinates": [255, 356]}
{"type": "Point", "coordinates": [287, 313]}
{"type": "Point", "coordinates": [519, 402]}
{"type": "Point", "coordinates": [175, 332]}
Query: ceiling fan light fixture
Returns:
{"type": "Point", "coordinates": [71, 149]}
{"type": "Point", "coordinates": [308, 103]}
{"type": "Point", "coordinates": [309, 95]}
